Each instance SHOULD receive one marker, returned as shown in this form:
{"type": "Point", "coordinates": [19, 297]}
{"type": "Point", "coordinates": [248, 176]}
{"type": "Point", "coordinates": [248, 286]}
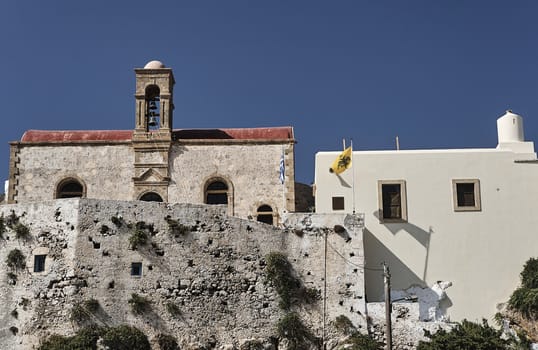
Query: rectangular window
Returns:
{"type": "Point", "coordinates": [392, 201]}
{"type": "Point", "coordinates": [39, 263]}
{"type": "Point", "coordinates": [338, 203]}
{"type": "Point", "coordinates": [466, 194]}
{"type": "Point", "coordinates": [136, 269]}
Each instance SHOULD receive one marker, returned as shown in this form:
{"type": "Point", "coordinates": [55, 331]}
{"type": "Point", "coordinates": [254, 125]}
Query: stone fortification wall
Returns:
{"type": "Point", "coordinates": [105, 170]}
{"type": "Point", "coordinates": [251, 169]}
{"type": "Point", "coordinates": [407, 326]}
{"type": "Point", "coordinates": [202, 272]}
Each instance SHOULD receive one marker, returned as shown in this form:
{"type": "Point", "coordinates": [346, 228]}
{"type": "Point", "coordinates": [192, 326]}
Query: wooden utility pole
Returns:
{"type": "Point", "coordinates": [388, 306]}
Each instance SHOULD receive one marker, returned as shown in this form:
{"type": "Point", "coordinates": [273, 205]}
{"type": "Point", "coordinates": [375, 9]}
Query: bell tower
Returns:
{"type": "Point", "coordinates": [152, 136]}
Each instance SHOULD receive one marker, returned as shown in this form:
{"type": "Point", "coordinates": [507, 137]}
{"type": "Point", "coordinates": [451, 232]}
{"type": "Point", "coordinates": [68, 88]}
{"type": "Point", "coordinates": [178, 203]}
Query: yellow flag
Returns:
{"type": "Point", "coordinates": [342, 162]}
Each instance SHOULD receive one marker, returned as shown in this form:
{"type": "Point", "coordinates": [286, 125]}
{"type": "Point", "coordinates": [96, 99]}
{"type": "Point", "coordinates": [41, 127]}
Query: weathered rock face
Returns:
{"type": "Point", "coordinates": [201, 272]}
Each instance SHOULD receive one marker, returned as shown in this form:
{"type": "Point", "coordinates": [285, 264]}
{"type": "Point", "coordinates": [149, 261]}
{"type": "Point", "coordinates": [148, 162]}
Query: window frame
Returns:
{"type": "Point", "coordinates": [230, 191]}
{"type": "Point", "coordinates": [335, 200]}
{"type": "Point", "coordinates": [134, 265]}
{"type": "Point", "coordinates": [477, 198]}
{"type": "Point", "coordinates": [58, 193]}
{"type": "Point", "coordinates": [220, 191]}
{"type": "Point", "coordinates": [144, 197]}
{"type": "Point", "coordinates": [403, 201]}
{"type": "Point", "coordinates": [42, 259]}
{"type": "Point", "coordinates": [263, 212]}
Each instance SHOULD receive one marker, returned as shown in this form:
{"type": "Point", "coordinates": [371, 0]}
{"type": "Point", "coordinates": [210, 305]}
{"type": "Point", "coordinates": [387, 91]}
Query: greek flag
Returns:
{"type": "Point", "coordinates": [282, 169]}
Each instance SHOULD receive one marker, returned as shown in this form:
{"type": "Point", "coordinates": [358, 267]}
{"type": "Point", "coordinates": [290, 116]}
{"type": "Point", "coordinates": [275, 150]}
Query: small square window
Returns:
{"type": "Point", "coordinates": [39, 263]}
{"type": "Point", "coordinates": [338, 203]}
{"type": "Point", "coordinates": [392, 201]}
{"type": "Point", "coordinates": [466, 195]}
{"type": "Point", "coordinates": [136, 269]}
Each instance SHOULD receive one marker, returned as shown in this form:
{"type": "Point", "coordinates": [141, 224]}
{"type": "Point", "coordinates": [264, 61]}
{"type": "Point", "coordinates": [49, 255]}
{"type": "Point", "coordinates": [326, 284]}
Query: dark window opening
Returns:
{"type": "Point", "coordinates": [338, 203]}
{"type": "Point", "coordinates": [217, 193]}
{"type": "Point", "coordinates": [465, 194]}
{"type": "Point", "coordinates": [136, 269]}
{"type": "Point", "coordinates": [39, 263]}
{"type": "Point", "coordinates": [151, 197]}
{"type": "Point", "coordinates": [153, 108]}
{"type": "Point", "coordinates": [265, 214]}
{"type": "Point", "coordinates": [70, 189]}
{"type": "Point", "coordinates": [392, 201]}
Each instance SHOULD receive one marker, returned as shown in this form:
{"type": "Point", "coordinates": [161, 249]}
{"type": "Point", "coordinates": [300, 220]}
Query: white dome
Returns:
{"type": "Point", "coordinates": [154, 65]}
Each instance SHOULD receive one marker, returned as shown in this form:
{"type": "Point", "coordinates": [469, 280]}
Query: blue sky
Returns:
{"type": "Point", "coordinates": [436, 73]}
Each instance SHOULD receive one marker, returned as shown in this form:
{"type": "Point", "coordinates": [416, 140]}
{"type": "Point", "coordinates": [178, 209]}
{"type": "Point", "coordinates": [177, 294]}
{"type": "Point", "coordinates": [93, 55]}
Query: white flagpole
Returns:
{"type": "Point", "coordinates": [283, 160]}
{"type": "Point", "coordinates": [353, 179]}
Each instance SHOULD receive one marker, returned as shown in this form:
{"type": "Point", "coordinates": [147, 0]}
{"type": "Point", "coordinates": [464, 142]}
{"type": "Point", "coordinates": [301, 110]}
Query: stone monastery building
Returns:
{"type": "Point", "coordinates": [462, 218]}
{"type": "Point", "coordinates": [237, 167]}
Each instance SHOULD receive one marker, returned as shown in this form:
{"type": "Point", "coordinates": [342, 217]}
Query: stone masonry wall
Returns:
{"type": "Point", "coordinates": [106, 171]}
{"type": "Point", "coordinates": [213, 273]}
{"type": "Point", "coordinates": [252, 169]}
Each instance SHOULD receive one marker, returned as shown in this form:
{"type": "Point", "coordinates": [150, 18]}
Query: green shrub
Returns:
{"type": "Point", "coordinates": [14, 313]}
{"type": "Point", "coordinates": [55, 342]}
{"type": "Point", "coordinates": [176, 228]}
{"type": "Point", "coordinates": [2, 226]}
{"type": "Point", "coordinates": [125, 338]}
{"type": "Point", "coordinates": [311, 294]}
{"type": "Point", "coordinates": [85, 339]}
{"type": "Point", "coordinates": [525, 298]}
{"type": "Point", "coordinates": [117, 221]}
{"type": "Point", "coordinates": [84, 310]}
{"type": "Point", "coordinates": [292, 328]}
{"type": "Point", "coordinates": [12, 220]}
{"type": "Point", "coordinates": [359, 341]}
{"type": "Point", "coordinates": [21, 231]}
{"type": "Point", "coordinates": [465, 335]}
{"type": "Point", "coordinates": [139, 304]}
{"type": "Point", "coordinates": [167, 342]}
{"type": "Point", "coordinates": [141, 225]}
{"type": "Point", "coordinates": [525, 301]}
{"type": "Point", "coordinates": [344, 325]}
{"type": "Point", "coordinates": [138, 237]}
{"type": "Point", "coordinates": [354, 340]}
{"type": "Point", "coordinates": [24, 302]}
{"type": "Point", "coordinates": [173, 309]}
{"type": "Point", "coordinates": [104, 229]}
{"type": "Point", "coordinates": [11, 278]}
{"type": "Point", "coordinates": [529, 275]}
{"type": "Point", "coordinates": [280, 273]}
{"type": "Point", "coordinates": [16, 259]}
{"type": "Point", "coordinates": [78, 314]}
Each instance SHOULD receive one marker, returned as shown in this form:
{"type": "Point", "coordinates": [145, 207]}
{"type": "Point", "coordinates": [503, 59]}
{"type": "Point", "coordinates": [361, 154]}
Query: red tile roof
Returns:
{"type": "Point", "coordinates": [76, 135]}
{"type": "Point", "coordinates": [278, 133]}
{"type": "Point", "coordinates": [66, 136]}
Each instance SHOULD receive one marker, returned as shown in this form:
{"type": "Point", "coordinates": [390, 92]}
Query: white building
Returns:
{"type": "Point", "coordinates": [467, 216]}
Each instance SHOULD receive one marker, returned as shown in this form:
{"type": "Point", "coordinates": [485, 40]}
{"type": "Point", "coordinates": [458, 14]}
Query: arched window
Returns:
{"type": "Point", "coordinates": [265, 214]}
{"type": "Point", "coordinates": [153, 108]}
{"type": "Point", "coordinates": [70, 188]}
{"type": "Point", "coordinates": [216, 193]}
{"type": "Point", "coordinates": [151, 197]}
